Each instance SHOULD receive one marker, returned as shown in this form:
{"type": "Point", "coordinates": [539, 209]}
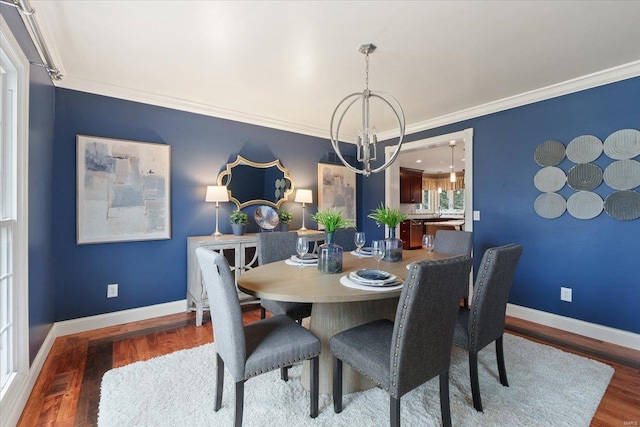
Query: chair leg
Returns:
{"type": "Point", "coordinates": [315, 385]}
{"type": "Point", "coordinates": [475, 383]}
{"type": "Point", "coordinates": [501, 368]}
{"type": "Point", "coordinates": [394, 411]}
{"type": "Point", "coordinates": [239, 403]}
{"type": "Point", "coordinates": [284, 373]}
{"type": "Point", "coordinates": [263, 313]}
{"type": "Point", "coordinates": [219, 382]}
{"type": "Point", "coordinates": [445, 407]}
{"type": "Point", "coordinates": [337, 385]}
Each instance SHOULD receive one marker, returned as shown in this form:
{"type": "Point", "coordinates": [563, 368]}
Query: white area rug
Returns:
{"type": "Point", "coordinates": [548, 387]}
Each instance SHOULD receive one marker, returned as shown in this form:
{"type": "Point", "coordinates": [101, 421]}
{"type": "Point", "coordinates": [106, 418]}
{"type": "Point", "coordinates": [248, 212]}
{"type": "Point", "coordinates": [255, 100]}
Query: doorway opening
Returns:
{"type": "Point", "coordinates": [392, 173]}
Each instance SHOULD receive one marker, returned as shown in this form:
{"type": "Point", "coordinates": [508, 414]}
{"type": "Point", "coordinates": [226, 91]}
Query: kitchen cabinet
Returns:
{"type": "Point", "coordinates": [410, 185]}
{"type": "Point", "coordinates": [411, 233]}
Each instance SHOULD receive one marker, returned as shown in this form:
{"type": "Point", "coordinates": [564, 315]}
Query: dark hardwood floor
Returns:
{"type": "Point", "coordinates": [67, 391]}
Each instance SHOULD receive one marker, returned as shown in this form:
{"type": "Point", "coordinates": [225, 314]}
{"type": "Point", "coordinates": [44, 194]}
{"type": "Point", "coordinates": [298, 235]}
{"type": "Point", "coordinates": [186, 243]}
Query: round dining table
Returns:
{"type": "Point", "coordinates": [336, 307]}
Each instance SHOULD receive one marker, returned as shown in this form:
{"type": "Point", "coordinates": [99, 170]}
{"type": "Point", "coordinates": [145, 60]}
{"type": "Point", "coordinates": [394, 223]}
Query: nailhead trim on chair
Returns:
{"type": "Point", "coordinates": [395, 354]}
{"type": "Point", "coordinates": [286, 364]}
{"type": "Point", "coordinates": [400, 327]}
{"type": "Point", "coordinates": [474, 317]}
{"type": "Point", "coordinates": [362, 373]}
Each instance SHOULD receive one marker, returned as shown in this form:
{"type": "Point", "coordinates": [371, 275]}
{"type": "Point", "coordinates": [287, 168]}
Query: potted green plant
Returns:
{"type": "Point", "coordinates": [285, 218]}
{"type": "Point", "coordinates": [330, 254]}
{"type": "Point", "coordinates": [238, 221]}
{"type": "Point", "coordinates": [390, 217]}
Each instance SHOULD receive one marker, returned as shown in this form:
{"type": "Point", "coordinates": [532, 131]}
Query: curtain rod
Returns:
{"type": "Point", "coordinates": [28, 12]}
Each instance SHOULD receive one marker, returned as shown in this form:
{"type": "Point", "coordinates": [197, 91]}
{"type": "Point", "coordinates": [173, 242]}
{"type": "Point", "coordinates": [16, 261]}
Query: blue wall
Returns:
{"type": "Point", "coordinates": [598, 257]}
{"type": "Point", "coordinates": [594, 257]}
{"type": "Point", "coordinates": [152, 272]}
{"type": "Point", "coordinates": [41, 121]}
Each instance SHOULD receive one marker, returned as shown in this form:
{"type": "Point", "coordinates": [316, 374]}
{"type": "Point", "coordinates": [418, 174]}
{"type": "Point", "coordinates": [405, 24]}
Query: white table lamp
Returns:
{"type": "Point", "coordinates": [217, 193]}
{"type": "Point", "coordinates": [304, 197]}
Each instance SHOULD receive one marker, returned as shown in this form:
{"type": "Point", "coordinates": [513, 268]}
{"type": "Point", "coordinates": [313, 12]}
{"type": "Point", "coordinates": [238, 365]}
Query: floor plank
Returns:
{"type": "Point", "coordinates": [67, 391]}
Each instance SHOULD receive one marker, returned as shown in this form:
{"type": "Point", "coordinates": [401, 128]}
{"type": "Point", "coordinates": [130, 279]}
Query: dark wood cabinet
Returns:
{"type": "Point", "coordinates": [411, 234]}
{"type": "Point", "coordinates": [410, 186]}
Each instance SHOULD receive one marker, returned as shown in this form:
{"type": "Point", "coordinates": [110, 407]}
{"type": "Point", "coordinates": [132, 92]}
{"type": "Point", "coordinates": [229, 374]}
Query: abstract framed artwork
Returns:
{"type": "Point", "coordinates": [123, 190]}
{"type": "Point", "coordinates": [337, 189]}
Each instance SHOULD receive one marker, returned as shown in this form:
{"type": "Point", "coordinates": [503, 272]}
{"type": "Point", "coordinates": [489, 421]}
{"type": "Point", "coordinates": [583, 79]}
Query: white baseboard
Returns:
{"type": "Point", "coordinates": [74, 326]}
{"type": "Point", "coordinates": [83, 324]}
{"type": "Point", "coordinates": [580, 327]}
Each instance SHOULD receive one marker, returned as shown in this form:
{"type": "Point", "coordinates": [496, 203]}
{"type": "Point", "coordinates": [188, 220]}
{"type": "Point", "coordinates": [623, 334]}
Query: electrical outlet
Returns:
{"type": "Point", "coordinates": [566, 294]}
{"type": "Point", "coordinates": [112, 290]}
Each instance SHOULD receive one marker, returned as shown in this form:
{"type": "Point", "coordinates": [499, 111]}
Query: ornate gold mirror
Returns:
{"type": "Point", "coordinates": [250, 183]}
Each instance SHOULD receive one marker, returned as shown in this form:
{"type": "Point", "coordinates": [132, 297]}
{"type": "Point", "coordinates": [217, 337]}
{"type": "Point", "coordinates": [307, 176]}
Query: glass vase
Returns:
{"type": "Point", "coordinates": [392, 247]}
{"type": "Point", "coordinates": [329, 256]}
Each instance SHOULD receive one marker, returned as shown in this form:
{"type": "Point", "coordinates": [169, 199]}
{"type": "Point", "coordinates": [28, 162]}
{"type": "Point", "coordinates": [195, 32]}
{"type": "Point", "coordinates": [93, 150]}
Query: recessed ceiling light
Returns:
{"type": "Point", "coordinates": [418, 161]}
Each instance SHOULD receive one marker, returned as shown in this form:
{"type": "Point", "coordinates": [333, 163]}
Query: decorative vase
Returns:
{"type": "Point", "coordinates": [284, 226]}
{"type": "Point", "coordinates": [392, 247]}
{"type": "Point", "coordinates": [329, 256]}
{"type": "Point", "coordinates": [238, 229]}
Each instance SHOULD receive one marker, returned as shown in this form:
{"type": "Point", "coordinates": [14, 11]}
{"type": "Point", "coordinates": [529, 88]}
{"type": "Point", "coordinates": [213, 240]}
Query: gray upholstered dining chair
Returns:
{"type": "Point", "coordinates": [453, 242]}
{"type": "Point", "coordinates": [399, 356]}
{"type": "Point", "coordinates": [256, 348]}
{"type": "Point", "coordinates": [483, 323]}
{"type": "Point", "coordinates": [344, 237]}
{"type": "Point", "coordinates": [278, 246]}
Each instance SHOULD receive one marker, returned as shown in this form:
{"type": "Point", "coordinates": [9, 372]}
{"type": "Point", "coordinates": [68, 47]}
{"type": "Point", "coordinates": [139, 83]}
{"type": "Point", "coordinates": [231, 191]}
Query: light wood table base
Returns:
{"type": "Point", "coordinates": [327, 319]}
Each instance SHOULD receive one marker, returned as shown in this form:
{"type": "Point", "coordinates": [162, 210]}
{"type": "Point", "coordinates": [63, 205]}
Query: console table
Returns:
{"type": "Point", "coordinates": [234, 248]}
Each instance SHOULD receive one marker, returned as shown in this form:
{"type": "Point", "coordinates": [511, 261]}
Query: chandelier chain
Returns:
{"type": "Point", "coordinates": [367, 71]}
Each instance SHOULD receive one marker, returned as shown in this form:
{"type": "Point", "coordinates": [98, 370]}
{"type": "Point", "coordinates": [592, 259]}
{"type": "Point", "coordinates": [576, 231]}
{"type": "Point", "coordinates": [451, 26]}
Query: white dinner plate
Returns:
{"type": "Point", "coordinates": [307, 259]}
{"type": "Point", "coordinates": [345, 281]}
{"type": "Point", "coordinates": [373, 278]}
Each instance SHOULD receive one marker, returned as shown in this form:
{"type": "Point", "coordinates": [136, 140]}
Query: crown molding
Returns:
{"type": "Point", "coordinates": [578, 84]}
{"type": "Point", "coordinates": [82, 85]}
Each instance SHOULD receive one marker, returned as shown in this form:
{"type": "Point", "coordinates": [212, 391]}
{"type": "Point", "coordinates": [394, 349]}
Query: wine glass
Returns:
{"type": "Point", "coordinates": [427, 242]}
{"type": "Point", "coordinates": [377, 251]}
{"type": "Point", "coordinates": [359, 240]}
{"type": "Point", "coordinates": [302, 247]}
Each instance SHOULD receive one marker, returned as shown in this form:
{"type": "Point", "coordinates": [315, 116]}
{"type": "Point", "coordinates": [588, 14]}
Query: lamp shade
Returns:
{"type": "Point", "coordinates": [217, 193]}
{"type": "Point", "coordinates": [304, 196]}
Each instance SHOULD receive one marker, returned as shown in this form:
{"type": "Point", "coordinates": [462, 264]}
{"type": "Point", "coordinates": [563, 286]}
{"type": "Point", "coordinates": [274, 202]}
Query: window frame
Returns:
{"type": "Point", "coordinates": [12, 392]}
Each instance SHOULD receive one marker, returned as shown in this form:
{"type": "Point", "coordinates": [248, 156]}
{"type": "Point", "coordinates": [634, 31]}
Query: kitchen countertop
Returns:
{"type": "Point", "coordinates": [432, 217]}
{"type": "Point", "coordinates": [453, 223]}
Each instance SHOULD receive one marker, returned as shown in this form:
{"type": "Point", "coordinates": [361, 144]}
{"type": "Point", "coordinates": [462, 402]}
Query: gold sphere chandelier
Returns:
{"type": "Point", "coordinates": [367, 140]}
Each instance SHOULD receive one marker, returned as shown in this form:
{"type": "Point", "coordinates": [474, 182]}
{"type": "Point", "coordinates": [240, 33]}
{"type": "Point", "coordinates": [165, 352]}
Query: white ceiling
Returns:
{"type": "Point", "coordinates": [287, 64]}
{"type": "Point", "coordinates": [434, 160]}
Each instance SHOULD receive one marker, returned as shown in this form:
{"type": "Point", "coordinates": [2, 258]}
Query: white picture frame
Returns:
{"type": "Point", "coordinates": [123, 190]}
